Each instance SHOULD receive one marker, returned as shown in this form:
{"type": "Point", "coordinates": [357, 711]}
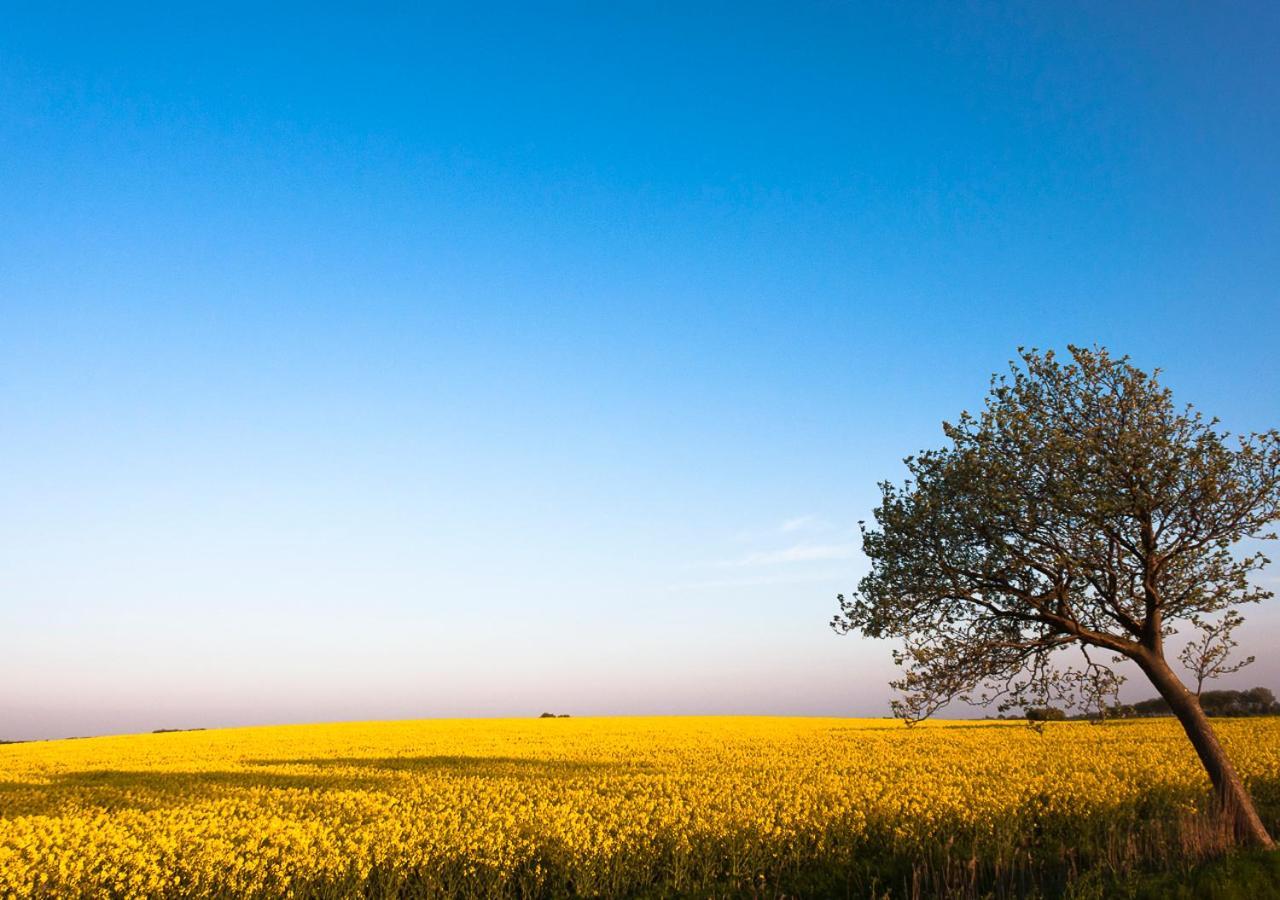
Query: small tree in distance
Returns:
{"type": "Point", "coordinates": [1080, 509]}
{"type": "Point", "coordinates": [1209, 657]}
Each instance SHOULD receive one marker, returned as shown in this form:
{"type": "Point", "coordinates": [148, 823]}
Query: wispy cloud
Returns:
{"type": "Point", "coordinates": [796, 524]}
{"type": "Point", "coordinates": [745, 581]}
{"type": "Point", "coordinates": [798, 553]}
{"type": "Point", "coordinates": [809, 527]}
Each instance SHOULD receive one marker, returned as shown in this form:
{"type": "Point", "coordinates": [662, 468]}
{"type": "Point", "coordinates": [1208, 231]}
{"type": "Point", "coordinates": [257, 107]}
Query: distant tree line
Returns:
{"type": "Point", "coordinates": [1258, 701]}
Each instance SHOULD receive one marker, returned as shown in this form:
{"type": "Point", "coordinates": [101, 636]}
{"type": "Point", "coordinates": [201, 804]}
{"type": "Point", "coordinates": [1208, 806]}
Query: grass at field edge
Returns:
{"type": "Point", "coordinates": [1246, 875]}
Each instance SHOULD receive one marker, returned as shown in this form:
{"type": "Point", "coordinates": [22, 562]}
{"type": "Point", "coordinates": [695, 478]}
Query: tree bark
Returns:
{"type": "Point", "coordinates": [1234, 800]}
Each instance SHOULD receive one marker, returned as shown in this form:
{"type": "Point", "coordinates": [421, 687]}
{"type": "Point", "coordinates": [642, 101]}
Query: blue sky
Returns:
{"type": "Point", "coordinates": [392, 364]}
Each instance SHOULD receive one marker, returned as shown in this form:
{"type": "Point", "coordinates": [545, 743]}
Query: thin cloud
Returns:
{"type": "Point", "coordinates": [758, 581]}
{"type": "Point", "coordinates": [800, 553]}
{"type": "Point", "coordinates": [796, 524]}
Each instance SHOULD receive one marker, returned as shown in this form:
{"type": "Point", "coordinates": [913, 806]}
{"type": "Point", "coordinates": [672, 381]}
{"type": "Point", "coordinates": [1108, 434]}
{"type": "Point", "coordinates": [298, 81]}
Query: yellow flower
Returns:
{"type": "Point", "coordinates": [610, 805]}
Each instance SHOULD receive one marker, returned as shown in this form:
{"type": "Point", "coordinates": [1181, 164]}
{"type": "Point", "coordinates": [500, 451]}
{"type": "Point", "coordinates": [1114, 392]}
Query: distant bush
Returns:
{"type": "Point", "coordinates": [553, 716]}
{"type": "Point", "coordinates": [1046, 714]}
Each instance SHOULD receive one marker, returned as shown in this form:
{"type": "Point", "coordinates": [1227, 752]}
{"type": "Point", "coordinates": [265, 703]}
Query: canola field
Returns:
{"type": "Point", "coordinates": [603, 807]}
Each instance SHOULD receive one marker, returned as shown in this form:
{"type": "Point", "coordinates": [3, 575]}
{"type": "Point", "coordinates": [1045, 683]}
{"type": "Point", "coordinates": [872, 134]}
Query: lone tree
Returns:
{"type": "Point", "coordinates": [1209, 656]}
{"type": "Point", "coordinates": [1080, 509]}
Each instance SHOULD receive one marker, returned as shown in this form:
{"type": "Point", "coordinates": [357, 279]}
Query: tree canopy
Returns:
{"type": "Point", "coordinates": [1081, 509]}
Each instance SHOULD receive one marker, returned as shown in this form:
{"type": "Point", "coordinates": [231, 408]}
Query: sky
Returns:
{"type": "Point", "coordinates": [480, 361]}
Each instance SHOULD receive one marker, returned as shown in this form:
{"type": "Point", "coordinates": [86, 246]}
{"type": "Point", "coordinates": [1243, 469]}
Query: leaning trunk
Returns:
{"type": "Point", "coordinates": [1235, 802]}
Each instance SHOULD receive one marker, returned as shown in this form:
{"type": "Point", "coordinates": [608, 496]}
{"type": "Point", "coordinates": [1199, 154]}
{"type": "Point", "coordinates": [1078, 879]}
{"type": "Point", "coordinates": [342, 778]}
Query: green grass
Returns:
{"type": "Point", "coordinates": [1238, 876]}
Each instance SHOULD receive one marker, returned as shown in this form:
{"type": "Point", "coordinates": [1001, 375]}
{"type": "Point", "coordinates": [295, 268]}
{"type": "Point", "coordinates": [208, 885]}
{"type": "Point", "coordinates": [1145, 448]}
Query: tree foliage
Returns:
{"type": "Point", "coordinates": [1080, 509]}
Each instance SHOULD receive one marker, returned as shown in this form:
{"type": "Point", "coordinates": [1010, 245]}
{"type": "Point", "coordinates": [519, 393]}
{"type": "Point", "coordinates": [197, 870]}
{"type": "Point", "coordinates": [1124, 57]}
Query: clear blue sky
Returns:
{"type": "Point", "coordinates": [471, 363]}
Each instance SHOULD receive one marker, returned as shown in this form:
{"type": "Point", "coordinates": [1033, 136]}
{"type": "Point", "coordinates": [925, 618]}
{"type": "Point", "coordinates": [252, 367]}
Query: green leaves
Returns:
{"type": "Point", "coordinates": [1079, 507]}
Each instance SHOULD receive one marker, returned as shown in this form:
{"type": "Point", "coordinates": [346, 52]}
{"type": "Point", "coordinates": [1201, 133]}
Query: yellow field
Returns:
{"type": "Point", "coordinates": [594, 806]}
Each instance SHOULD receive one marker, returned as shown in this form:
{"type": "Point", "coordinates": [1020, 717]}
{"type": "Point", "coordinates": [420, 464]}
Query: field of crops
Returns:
{"type": "Point", "coordinates": [605, 807]}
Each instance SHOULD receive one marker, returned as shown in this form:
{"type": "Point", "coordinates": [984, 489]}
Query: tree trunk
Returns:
{"type": "Point", "coordinates": [1235, 801]}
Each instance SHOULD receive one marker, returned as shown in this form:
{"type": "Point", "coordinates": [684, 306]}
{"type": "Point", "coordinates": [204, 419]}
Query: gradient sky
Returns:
{"type": "Point", "coordinates": [485, 362]}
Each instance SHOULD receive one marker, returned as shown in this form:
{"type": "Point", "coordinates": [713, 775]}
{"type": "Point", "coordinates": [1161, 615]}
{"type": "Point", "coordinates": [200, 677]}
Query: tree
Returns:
{"type": "Point", "coordinates": [1209, 656]}
{"type": "Point", "coordinates": [1081, 509]}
